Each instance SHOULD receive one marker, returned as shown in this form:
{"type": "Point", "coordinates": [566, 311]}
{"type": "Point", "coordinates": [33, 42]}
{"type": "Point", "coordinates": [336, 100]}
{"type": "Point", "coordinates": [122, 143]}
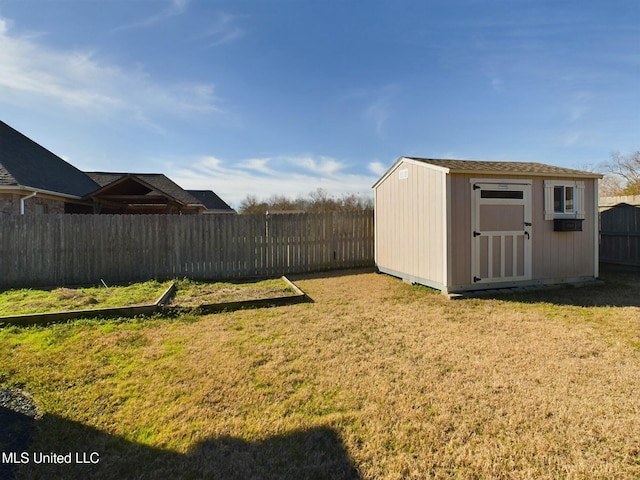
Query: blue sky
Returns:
{"type": "Point", "coordinates": [270, 97]}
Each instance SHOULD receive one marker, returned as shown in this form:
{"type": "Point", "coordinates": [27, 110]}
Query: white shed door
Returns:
{"type": "Point", "coordinates": [501, 230]}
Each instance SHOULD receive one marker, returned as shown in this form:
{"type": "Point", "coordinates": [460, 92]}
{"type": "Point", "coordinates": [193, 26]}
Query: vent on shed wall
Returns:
{"type": "Point", "coordinates": [403, 174]}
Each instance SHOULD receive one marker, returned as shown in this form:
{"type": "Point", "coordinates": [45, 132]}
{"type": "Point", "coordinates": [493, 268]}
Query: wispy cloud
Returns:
{"type": "Point", "coordinates": [579, 105]}
{"type": "Point", "coordinates": [173, 9]}
{"type": "Point", "coordinates": [379, 107]}
{"type": "Point", "coordinates": [374, 105]}
{"type": "Point", "coordinates": [264, 177]}
{"type": "Point", "coordinates": [377, 168]}
{"type": "Point", "coordinates": [377, 113]}
{"type": "Point", "coordinates": [496, 81]}
{"type": "Point", "coordinates": [571, 139]}
{"type": "Point", "coordinates": [322, 165]}
{"type": "Point", "coordinates": [46, 78]}
{"type": "Point", "coordinates": [223, 30]}
{"type": "Point", "coordinates": [260, 165]}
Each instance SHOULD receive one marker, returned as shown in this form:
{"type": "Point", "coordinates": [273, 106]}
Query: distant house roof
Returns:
{"type": "Point", "coordinates": [496, 168]}
{"type": "Point", "coordinates": [141, 193]}
{"type": "Point", "coordinates": [210, 200]}
{"type": "Point", "coordinates": [24, 163]}
{"type": "Point", "coordinates": [156, 181]}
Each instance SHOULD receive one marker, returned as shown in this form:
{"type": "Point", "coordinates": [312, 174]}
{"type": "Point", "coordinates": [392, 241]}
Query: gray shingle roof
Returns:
{"type": "Point", "coordinates": [210, 200]}
{"type": "Point", "coordinates": [532, 168]}
{"type": "Point", "coordinates": [159, 181]}
{"type": "Point", "coordinates": [25, 163]}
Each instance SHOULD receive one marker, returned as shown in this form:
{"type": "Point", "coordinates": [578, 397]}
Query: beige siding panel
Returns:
{"type": "Point", "coordinates": [562, 255]}
{"type": "Point", "coordinates": [409, 222]}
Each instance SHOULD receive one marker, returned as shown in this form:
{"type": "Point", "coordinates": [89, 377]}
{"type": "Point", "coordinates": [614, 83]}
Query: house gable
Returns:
{"type": "Point", "coordinates": [141, 193]}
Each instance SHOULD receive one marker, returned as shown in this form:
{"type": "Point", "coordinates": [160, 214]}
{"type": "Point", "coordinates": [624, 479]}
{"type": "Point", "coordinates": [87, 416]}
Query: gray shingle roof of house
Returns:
{"type": "Point", "coordinates": [531, 168]}
{"type": "Point", "coordinates": [25, 163]}
{"type": "Point", "coordinates": [159, 181]}
{"type": "Point", "coordinates": [210, 200]}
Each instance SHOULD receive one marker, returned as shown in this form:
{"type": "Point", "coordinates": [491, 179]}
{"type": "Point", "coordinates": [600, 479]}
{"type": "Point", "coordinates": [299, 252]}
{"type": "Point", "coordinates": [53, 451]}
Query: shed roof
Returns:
{"type": "Point", "coordinates": [24, 163]}
{"type": "Point", "coordinates": [497, 168]}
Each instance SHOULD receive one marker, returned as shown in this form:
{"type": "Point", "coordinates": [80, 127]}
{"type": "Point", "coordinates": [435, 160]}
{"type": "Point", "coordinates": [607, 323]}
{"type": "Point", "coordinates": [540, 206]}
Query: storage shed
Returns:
{"type": "Point", "coordinates": [460, 225]}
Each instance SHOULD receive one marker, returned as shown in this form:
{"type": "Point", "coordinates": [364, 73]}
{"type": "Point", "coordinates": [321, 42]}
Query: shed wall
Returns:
{"type": "Point", "coordinates": [563, 255]}
{"type": "Point", "coordinates": [410, 224]}
{"type": "Point", "coordinates": [556, 256]}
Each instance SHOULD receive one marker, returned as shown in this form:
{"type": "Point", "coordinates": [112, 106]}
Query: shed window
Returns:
{"type": "Point", "coordinates": [516, 194]}
{"type": "Point", "coordinates": [563, 199]}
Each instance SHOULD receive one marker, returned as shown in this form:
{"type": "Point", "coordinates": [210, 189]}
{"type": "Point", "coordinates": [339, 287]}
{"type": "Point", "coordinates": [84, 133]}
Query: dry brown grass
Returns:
{"type": "Point", "coordinates": [194, 294]}
{"type": "Point", "coordinates": [403, 382]}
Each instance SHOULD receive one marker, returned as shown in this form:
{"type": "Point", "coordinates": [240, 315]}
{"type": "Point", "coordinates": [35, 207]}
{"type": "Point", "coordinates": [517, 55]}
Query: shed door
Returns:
{"type": "Point", "coordinates": [501, 229]}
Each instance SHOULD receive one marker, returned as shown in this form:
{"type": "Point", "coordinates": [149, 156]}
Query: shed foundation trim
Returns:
{"type": "Point", "coordinates": [413, 279]}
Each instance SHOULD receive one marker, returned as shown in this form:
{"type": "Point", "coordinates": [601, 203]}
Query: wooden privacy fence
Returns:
{"type": "Point", "coordinates": [620, 234]}
{"type": "Point", "coordinates": [47, 250]}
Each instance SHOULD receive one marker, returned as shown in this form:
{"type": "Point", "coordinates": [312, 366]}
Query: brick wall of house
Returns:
{"type": "Point", "coordinates": [10, 204]}
{"type": "Point", "coordinates": [43, 205]}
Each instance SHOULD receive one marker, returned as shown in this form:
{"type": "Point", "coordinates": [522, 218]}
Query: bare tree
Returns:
{"type": "Point", "coordinates": [318, 200]}
{"type": "Point", "coordinates": [251, 205]}
{"type": "Point", "coordinates": [625, 173]}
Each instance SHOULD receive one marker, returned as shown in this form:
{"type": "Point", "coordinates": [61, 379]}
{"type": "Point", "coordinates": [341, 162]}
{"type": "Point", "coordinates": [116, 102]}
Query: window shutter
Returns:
{"type": "Point", "coordinates": [580, 213]}
{"type": "Point", "coordinates": [548, 200]}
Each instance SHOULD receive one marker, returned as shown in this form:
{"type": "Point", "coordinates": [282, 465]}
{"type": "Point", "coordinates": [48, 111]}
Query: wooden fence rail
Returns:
{"type": "Point", "coordinates": [47, 250]}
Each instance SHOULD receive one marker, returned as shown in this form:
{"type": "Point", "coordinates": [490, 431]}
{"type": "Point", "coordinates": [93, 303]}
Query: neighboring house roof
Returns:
{"type": "Point", "coordinates": [147, 184]}
{"type": "Point", "coordinates": [210, 200]}
{"type": "Point", "coordinates": [500, 168]}
{"type": "Point", "coordinates": [28, 166]}
{"type": "Point", "coordinates": [24, 163]}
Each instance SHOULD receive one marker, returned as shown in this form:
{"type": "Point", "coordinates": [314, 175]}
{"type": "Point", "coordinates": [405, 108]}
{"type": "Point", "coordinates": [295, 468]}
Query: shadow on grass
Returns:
{"type": "Point", "coordinates": [317, 453]}
{"type": "Point", "coordinates": [16, 431]}
{"type": "Point", "coordinates": [621, 289]}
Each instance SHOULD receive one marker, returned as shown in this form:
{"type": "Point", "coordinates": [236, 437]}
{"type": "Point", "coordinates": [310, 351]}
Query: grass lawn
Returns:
{"type": "Point", "coordinates": [193, 294]}
{"type": "Point", "coordinates": [27, 300]}
{"type": "Point", "coordinates": [189, 294]}
{"type": "Point", "coordinates": [376, 379]}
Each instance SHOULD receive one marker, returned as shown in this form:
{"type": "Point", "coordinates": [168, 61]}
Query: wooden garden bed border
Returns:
{"type": "Point", "coordinates": [160, 306]}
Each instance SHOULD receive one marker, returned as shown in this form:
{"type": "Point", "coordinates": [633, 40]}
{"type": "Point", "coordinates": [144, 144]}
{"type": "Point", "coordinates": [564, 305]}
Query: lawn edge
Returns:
{"type": "Point", "coordinates": [160, 306]}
